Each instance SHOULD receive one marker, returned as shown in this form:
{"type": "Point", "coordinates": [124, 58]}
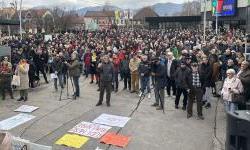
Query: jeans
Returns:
{"type": "Point", "coordinates": [76, 84]}
{"type": "Point", "coordinates": [60, 78]}
{"type": "Point", "coordinates": [145, 84]}
{"type": "Point", "coordinates": [230, 107]}
{"type": "Point", "coordinates": [207, 95]}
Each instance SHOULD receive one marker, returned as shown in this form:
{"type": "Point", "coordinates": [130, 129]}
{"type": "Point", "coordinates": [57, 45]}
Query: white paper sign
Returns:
{"type": "Point", "coordinates": [47, 38]}
{"type": "Point", "coordinates": [26, 109]}
{"type": "Point", "coordinates": [90, 129]}
{"type": "Point", "coordinates": [53, 76]}
{"type": "Point", "coordinates": [111, 120]}
{"type": "Point", "coordinates": [15, 121]}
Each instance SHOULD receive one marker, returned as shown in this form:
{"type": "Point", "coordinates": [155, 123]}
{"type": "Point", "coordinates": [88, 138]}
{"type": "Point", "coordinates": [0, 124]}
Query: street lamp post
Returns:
{"type": "Point", "coordinates": [20, 19]}
{"type": "Point", "coordinates": [204, 21]}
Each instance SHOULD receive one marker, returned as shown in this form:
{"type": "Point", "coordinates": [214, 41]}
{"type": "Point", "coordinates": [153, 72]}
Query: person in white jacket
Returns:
{"type": "Point", "coordinates": [231, 85]}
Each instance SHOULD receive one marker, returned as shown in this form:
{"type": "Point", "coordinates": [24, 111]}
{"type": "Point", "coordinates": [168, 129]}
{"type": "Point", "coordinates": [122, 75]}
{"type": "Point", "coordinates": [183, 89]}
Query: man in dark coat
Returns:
{"type": "Point", "coordinates": [181, 80]}
{"type": "Point", "coordinates": [106, 71]}
{"type": "Point", "coordinates": [160, 81]}
{"type": "Point", "coordinates": [40, 62]}
{"type": "Point", "coordinates": [171, 66]}
{"type": "Point", "coordinates": [124, 67]}
{"type": "Point", "coordinates": [206, 80]}
{"type": "Point", "coordinates": [57, 68]}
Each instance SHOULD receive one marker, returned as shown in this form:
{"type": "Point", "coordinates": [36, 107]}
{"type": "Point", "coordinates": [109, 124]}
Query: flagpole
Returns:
{"type": "Point", "coordinates": [20, 19]}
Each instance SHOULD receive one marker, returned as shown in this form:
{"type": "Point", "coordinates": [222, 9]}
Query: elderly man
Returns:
{"type": "Point", "coordinates": [195, 92]}
{"type": "Point", "coordinates": [106, 71]}
{"type": "Point", "coordinates": [74, 72]}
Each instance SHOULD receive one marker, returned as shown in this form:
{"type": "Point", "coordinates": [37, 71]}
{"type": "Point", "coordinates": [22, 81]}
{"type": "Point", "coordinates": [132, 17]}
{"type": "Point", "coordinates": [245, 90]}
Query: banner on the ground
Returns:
{"type": "Point", "coordinates": [72, 140]}
{"type": "Point", "coordinates": [26, 109]}
{"type": "Point", "coordinates": [15, 121]}
{"type": "Point", "coordinates": [111, 120]}
{"type": "Point", "coordinates": [116, 140]}
{"type": "Point", "coordinates": [90, 129]}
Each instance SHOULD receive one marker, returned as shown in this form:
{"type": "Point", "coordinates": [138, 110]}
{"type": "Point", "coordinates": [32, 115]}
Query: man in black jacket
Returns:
{"type": "Point", "coordinates": [57, 67]}
{"type": "Point", "coordinates": [181, 80]}
{"type": "Point", "coordinates": [171, 66]}
{"type": "Point", "coordinates": [125, 71]}
{"type": "Point", "coordinates": [106, 71]}
{"type": "Point", "coordinates": [144, 73]}
{"type": "Point", "coordinates": [160, 81]}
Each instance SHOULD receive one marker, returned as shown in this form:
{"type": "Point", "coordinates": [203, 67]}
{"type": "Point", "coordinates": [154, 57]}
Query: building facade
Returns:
{"type": "Point", "coordinates": [233, 13]}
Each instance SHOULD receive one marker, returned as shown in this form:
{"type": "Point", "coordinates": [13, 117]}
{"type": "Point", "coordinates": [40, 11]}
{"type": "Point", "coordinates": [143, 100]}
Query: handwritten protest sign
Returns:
{"type": "Point", "coordinates": [90, 129]}
{"type": "Point", "coordinates": [72, 140]}
{"type": "Point", "coordinates": [15, 121]}
{"type": "Point", "coordinates": [111, 120]}
{"type": "Point", "coordinates": [116, 140]}
{"type": "Point", "coordinates": [26, 109]}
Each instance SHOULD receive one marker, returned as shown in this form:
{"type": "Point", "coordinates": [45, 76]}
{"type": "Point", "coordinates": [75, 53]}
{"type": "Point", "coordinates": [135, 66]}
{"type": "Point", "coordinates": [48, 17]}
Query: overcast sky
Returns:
{"type": "Point", "coordinates": [84, 3]}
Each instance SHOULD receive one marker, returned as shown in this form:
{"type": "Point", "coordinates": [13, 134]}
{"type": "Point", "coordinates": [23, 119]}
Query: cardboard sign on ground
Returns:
{"type": "Point", "coordinates": [72, 140]}
{"type": "Point", "coordinates": [111, 120]}
{"type": "Point", "coordinates": [26, 109]}
{"type": "Point", "coordinates": [90, 129]}
{"type": "Point", "coordinates": [15, 121]}
{"type": "Point", "coordinates": [116, 140]}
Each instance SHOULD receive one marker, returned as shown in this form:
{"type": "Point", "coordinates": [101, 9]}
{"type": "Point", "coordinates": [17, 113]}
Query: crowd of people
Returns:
{"type": "Point", "coordinates": [174, 61]}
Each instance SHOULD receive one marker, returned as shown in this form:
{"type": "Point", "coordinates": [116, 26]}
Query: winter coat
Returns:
{"type": "Point", "coordinates": [144, 68]}
{"type": "Point", "coordinates": [206, 74]}
{"type": "Point", "coordinates": [160, 76]}
{"type": "Point", "coordinates": [181, 77]}
{"type": "Point", "coordinates": [124, 66]}
{"type": "Point", "coordinates": [234, 84]}
{"type": "Point", "coordinates": [74, 68]}
{"type": "Point", "coordinates": [106, 72]}
{"type": "Point", "coordinates": [134, 65]}
{"type": "Point", "coordinates": [245, 80]}
{"type": "Point", "coordinates": [22, 72]}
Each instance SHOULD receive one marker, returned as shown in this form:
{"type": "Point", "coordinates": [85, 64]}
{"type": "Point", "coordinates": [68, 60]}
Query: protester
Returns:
{"type": "Point", "coordinates": [195, 92]}
{"type": "Point", "coordinates": [160, 80]}
{"type": "Point", "coordinates": [22, 71]}
{"type": "Point", "coordinates": [144, 74]}
{"type": "Point", "coordinates": [74, 72]}
{"type": "Point", "coordinates": [106, 70]}
{"type": "Point", "coordinates": [5, 77]}
{"type": "Point", "coordinates": [232, 85]}
{"type": "Point", "coordinates": [124, 67]}
{"type": "Point", "coordinates": [181, 78]}
{"type": "Point", "coordinates": [244, 76]}
{"type": "Point", "coordinates": [133, 66]}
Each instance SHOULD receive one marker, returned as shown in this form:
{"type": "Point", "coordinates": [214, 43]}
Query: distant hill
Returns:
{"type": "Point", "coordinates": [167, 9]}
{"type": "Point", "coordinates": [162, 9]}
{"type": "Point", "coordinates": [82, 11]}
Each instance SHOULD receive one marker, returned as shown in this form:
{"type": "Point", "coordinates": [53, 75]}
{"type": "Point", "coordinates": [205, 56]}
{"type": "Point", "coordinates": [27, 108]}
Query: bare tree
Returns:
{"type": "Point", "coordinates": [191, 8]}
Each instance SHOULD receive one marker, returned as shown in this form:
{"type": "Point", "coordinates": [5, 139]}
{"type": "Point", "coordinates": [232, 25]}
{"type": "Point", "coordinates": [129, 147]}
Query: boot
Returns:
{"type": "Point", "coordinates": [20, 99]}
{"type": "Point", "coordinates": [25, 99]}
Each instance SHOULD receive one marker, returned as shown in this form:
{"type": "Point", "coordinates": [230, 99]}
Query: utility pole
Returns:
{"type": "Point", "coordinates": [204, 21]}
